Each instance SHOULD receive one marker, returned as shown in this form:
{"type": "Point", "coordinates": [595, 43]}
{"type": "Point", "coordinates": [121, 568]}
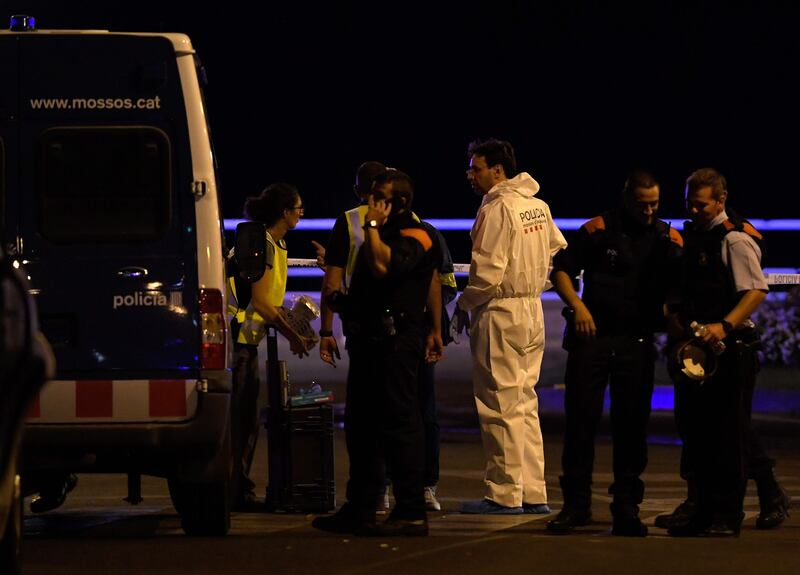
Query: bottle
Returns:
{"type": "Point", "coordinates": [312, 389]}
{"type": "Point", "coordinates": [700, 330]}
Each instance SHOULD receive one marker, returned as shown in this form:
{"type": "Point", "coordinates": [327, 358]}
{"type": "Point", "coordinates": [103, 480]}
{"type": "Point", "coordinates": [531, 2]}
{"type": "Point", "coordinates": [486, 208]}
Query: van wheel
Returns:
{"type": "Point", "coordinates": [11, 542]}
{"type": "Point", "coordinates": [205, 505]}
{"type": "Point", "coordinates": [204, 508]}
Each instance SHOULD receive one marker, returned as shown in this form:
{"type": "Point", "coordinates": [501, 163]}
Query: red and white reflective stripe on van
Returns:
{"type": "Point", "coordinates": [114, 401]}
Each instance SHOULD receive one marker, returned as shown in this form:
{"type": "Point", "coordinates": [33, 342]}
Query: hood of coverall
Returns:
{"type": "Point", "coordinates": [522, 185]}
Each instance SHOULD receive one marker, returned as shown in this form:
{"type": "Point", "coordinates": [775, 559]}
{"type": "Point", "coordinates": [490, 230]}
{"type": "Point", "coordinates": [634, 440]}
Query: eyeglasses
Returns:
{"type": "Point", "coordinates": [300, 207]}
{"type": "Point", "coordinates": [472, 170]}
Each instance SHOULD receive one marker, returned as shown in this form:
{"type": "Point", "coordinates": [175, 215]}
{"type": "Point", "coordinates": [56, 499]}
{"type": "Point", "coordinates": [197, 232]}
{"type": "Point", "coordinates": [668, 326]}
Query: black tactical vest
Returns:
{"type": "Point", "coordinates": [625, 280]}
{"type": "Point", "coordinates": [709, 291]}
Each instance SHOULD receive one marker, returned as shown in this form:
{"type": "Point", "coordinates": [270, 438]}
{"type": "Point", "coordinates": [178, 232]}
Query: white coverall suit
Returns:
{"type": "Point", "coordinates": [514, 239]}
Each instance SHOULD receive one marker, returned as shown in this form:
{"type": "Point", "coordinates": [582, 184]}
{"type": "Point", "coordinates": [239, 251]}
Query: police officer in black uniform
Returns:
{"type": "Point", "coordinates": [723, 286]}
{"type": "Point", "coordinates": [383, 319]}
{"type": "Point", "coordinates": [629, 260]}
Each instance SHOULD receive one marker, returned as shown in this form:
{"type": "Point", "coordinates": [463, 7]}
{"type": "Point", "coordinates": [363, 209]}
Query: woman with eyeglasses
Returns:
{"type": "Point", "coordinates": [279, 208]}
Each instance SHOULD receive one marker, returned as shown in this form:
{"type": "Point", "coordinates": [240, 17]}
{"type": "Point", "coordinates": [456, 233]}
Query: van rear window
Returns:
{"type": "Point", "coordinates": [104, 184]}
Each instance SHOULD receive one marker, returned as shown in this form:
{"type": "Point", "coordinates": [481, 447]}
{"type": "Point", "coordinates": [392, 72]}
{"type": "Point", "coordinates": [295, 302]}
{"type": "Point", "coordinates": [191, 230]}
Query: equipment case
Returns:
{"type": "Point", "coordinates": [300, 444]}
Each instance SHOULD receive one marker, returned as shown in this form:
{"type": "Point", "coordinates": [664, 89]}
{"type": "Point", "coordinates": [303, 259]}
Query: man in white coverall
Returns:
{"type": "Point", "coordinates": [514, 239]}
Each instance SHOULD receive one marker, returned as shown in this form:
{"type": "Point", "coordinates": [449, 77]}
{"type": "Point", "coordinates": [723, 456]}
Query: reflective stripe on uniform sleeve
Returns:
{"type": "Point", "coordinates": [448, 279]}
{"type": "Point", "coordinates": [355, 229]}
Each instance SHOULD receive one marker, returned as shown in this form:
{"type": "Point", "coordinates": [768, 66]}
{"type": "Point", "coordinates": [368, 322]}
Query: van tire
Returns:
{"type": "Point", "coordinates": [204, 508]}
{"type": "Point", "coordinates": [11, 542]}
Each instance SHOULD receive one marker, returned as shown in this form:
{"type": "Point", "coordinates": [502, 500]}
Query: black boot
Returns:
{"type": "Point", "coordinates": [694, 526]}
{"type": "Point", "coordinates": [684, 512]}
{"type": "Point", "coordinates": [396, 526]}
{"type": "Point", "coordinates": [249, 503]}
{"type": "Point", "coordinates": [773, 500]}
{"type": "Point", "coordinates": [727, 525]}
{"type": "Point", "coordinates": [680, 516]}
{"type": "Point", "coordinates": [54, 493]}
{"type": "Point", "coordinates": [346, 520]}
{"type": "Point", "coordinates": [568, 519]}
{"type": "Point", "coordinates": [626, 520]}
{"type": "Point", "coordinates": [577, 510]}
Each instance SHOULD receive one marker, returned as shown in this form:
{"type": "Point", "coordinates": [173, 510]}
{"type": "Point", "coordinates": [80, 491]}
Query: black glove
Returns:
{"type": "Point", "coordinates": [459, 323]}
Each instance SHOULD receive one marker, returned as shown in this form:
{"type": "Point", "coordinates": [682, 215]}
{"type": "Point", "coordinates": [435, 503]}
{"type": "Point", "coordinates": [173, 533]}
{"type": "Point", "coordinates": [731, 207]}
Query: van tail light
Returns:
{"type": "Point", "coordinates": [212, 319]}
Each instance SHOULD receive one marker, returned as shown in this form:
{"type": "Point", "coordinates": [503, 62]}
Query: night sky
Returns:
{"type": "Point", "coordinates": [303, 92]}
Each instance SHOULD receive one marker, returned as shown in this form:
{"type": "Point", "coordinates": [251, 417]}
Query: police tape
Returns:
{"type": "Point", "coordinates": [783, 279]}
{"type": "Point", "coordinates": [307, 263]}
{"type": "Point", "coordinates": [773, 278]}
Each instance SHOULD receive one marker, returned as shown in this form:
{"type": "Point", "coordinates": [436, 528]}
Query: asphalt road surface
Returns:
{"type": "Point", "coordinates": [96, 532]}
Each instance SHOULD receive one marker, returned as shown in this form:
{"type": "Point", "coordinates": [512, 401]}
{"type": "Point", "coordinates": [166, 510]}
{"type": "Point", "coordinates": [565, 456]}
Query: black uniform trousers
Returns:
{"type": "Point", "coordinates": [759, 464]}
{"type": "Point", "coordinates": [244, 416]}
{"type": "Point", "coordinates": [426, 392]}
{"type": "Point", "coordinates": [430, 422]}
{"type": "Point", "coordinates": [627, 363]}
{"type": "Point", "coordinates": [713, 420]}
{"type": "Point", "coordinates": [383, 423]}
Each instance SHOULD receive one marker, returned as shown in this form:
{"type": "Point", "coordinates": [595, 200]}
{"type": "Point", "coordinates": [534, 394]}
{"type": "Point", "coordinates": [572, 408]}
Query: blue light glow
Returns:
{"type": "Point", "coordinates": [22, 23]}
{"type": "Point", "coordinates": [663, 397]}
{"type": "Point", "coordinates": [568, 224]}
{"type": "Point", "coordinates": [451, 225]}
{"type": "Point", "coordinates": [305, 272]}
{"type": "Point", "coordinates": [324, 224]}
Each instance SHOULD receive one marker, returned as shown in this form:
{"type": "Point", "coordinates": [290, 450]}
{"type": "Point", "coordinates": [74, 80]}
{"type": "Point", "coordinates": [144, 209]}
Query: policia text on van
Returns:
{"type": "Point", "coordinates": [113, 202]}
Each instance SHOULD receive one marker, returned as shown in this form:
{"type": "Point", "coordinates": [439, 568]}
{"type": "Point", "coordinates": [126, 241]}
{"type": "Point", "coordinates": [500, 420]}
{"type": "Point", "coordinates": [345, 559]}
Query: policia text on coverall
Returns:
{"type": "Point", "coordinates": [383, 319]}
{"type": "Point", "coordinates": [723, 285]}
{"type": "Point", "coordinates": [279, 208]}
{"type": "Point", "coordinates": [630, 262]}
{"type": "Point", "coordinates": [513, 241]}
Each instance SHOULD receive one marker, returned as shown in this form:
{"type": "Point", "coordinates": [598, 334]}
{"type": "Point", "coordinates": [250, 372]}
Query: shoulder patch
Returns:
{"type": "Point", "coordinates": [675, 237]}
{"type": "Point", "coordinates": [595, 225]}
{"type": "Point", "coordinates": [418, 234]}
{"type": "Point", "coordinates": [748, 228]}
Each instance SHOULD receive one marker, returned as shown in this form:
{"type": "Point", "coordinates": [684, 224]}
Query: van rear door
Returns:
{"type": "Point", "coordinates": [9, 112]}
{"type": "Point", "coordinates": [106, 214]}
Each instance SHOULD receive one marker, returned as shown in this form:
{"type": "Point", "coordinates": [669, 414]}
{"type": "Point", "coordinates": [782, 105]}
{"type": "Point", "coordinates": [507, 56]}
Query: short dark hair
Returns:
{"type": "Point", "coordinates": [638, 178]}
{"type": "Point", "coordinates": [365, 175]}
{"type": "Point", "coordinates": [496, 152]}
{"type": "Point", "coordinates": [269, 206]}
{"type": "Point", "coordinates": [707, 177]}
{"type": "Point", "coordinates": [402, 186]}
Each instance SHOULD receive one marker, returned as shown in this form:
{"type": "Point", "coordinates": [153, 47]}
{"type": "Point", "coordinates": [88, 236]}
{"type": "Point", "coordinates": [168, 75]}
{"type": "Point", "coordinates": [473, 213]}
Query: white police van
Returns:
{"type": "Point", "coordinates": [109, 197]}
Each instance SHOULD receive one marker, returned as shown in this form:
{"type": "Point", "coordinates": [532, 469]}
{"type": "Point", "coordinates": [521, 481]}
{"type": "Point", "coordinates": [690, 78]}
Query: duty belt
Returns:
{"type": "Point", "coordinates": [516, 295]}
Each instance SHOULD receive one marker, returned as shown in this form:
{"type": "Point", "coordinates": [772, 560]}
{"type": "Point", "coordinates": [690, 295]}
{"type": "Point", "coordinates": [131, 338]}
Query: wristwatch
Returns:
{"type": "Point", "coordinates": [325, 333]}
{"type": "Point", "coordinates": [371, 224]}
{"type": "Point", "coordinates": [726, 326]}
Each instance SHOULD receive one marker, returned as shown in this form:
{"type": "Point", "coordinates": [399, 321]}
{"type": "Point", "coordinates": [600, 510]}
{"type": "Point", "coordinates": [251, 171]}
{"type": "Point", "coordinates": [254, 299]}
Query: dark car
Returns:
{"type": "Point", "coordinates": [26, 362]}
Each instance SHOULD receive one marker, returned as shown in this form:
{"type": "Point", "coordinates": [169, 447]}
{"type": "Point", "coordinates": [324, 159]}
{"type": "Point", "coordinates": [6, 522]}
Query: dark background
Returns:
{"type": "Point", "coordinates": [303, 92]}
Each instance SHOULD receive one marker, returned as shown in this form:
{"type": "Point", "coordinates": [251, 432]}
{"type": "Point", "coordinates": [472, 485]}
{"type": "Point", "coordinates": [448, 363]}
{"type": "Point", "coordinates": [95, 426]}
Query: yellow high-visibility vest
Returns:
{"type": "Point", "coordinates": [251, 325]}
{"type": "Point", "coordinates": [356, 218]}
